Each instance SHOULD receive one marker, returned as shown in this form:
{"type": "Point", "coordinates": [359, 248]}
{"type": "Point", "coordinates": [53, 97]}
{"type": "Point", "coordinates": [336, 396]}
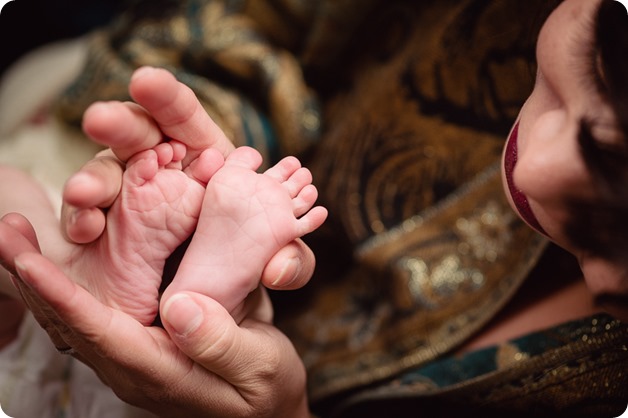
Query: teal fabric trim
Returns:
{"type": "Point", "coordinates": [452, 370]}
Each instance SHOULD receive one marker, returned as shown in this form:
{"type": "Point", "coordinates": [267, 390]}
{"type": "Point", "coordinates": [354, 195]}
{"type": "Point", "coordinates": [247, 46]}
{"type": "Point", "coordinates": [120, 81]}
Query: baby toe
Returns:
{"type": "Point", "coordinates": [284, 169]}
{"type": "Point", "coordinates": [299, 180]}
{"type": "Point", "coordinates": [304, 200]}
{"type": "Point", "coordinates": [245, 157]}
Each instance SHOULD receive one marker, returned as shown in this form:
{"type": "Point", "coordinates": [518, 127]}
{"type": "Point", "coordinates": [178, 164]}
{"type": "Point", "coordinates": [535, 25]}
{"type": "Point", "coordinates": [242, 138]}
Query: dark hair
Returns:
{"type": "Point", "coordinates": [601, 227]}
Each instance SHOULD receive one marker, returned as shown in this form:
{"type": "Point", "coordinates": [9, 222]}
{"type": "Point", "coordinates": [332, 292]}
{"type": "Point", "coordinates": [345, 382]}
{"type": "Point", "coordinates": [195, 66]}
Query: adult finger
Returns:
{"type": "Point", "coordinates": [20, 224]}
{"type": "Point", "coordinates": [177, 111]}
{"type": "Point", "coordinates": [17, 236]}
{"type": "Point", "coordinates": [290, 268]}
{"type": "Point", "coordinates": [96, 185]}
{"type": "Point", "coordinates": [125, 127]}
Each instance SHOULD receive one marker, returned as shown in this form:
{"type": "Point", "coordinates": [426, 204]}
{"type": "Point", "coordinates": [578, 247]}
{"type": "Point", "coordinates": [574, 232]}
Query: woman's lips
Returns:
{"type": "Point", "coordinates": [518, 198]}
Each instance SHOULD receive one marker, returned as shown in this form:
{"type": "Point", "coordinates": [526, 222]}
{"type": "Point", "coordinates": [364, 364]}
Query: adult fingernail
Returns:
{"type": "Point", "coordinates": [141, 72]}
{"type": "Point", "coordinates": [183, 314]}
{"type": "Point", "coordinates": [21, 268]}
{"type": "Point", "coordinates": [22, 273]}
{"type": "Point", "coordinates": [80, 179]}
{"type": "Point", "coordinates": [288, 274]}
{"type": "Point", "coordinates": [73, 218]}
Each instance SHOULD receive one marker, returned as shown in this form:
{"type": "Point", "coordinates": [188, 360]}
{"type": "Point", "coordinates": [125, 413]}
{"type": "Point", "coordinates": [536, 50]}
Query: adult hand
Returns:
{"type": "Point", "coordinates": [11, 307]}
{"type": "Point", "coordinates": [16, 237]}
{"type": "Point", "coordinates": [205, 365]}
{"type": "Point", "coordinates": [163, 108]}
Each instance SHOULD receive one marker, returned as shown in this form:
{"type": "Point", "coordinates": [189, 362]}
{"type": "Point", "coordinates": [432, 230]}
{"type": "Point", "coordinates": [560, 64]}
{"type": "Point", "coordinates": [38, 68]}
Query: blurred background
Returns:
{"type": "Point", "coordinates": [27, 24]}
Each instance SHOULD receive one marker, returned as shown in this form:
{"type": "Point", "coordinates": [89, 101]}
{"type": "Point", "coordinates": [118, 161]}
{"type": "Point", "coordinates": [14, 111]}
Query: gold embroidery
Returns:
{"type": "Point", "coordinates": [508, 355]}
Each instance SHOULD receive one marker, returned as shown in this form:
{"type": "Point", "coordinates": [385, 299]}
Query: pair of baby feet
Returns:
{"type": "Point", "coordinates": [238, 219]}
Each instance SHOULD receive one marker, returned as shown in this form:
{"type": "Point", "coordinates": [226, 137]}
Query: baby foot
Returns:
{"type": "Point", "coordinates": [245, 219]}
{"type": "Point", "coordinates": [157, 210]}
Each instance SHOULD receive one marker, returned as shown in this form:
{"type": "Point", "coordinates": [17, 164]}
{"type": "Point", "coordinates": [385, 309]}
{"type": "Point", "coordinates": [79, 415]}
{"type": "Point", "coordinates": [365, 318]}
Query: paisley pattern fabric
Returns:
{"type": "Point", "coordinates": [252, 89]}
{"type": "Point", "coordinates": [404, 135]}
{"type": "Point", "coordinates": [409, 169]}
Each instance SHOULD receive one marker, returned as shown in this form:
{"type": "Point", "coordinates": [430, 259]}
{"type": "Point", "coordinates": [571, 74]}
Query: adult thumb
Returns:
{"type": "Point", "coordinates": [205, 331]}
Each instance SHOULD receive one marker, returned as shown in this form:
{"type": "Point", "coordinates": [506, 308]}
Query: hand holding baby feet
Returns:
{"type": "Point", "coordinates": [246, 218]}
{"type": "Point", "coordinates": [156, 210]}
{"type": "Point", "coordinates": [163, 108]}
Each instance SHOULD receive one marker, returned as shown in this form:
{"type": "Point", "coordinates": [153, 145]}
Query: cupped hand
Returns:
{"type": "Point", "coordinates": [202, 364]}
